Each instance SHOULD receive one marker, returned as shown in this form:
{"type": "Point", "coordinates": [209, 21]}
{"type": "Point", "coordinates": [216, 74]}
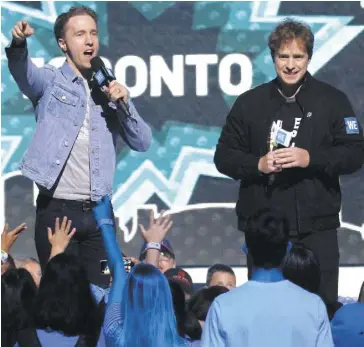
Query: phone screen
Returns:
{"type": "Point", "coordinates": [128, 264]}
{"type": "Point", "coordinates": [104, 268]}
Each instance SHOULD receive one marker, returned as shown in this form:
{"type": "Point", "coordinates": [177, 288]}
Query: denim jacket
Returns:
{"type": "Point", "coordinates": [59, 100]}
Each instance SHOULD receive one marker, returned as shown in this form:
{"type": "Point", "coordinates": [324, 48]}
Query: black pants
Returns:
{"type": "Point", "coordinates": [86, 244]}
{"type": "Point", "coordinates": [325, 245]}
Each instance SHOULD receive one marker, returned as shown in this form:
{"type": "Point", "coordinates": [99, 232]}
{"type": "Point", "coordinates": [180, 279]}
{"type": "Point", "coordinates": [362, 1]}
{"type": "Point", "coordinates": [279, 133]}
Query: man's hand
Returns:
{"type": "Point", "coordinates": [291, 157]}
{"type": "Point", "coordinates": [8, 238]}
{"type": "Point", "coordinates": [158, 228]}
{"type": "Point", "coordinates": [61, 237]}
{"type": "Point", "coordinates": [267, 164]}
{"type": "Point", "coordinates": [116, 91]}
{"type": "Point", "coordinates": [21, 31]}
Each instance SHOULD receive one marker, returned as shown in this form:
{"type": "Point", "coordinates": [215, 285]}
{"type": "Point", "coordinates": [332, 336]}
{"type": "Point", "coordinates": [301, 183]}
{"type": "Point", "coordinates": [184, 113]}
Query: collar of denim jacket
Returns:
{"type": "Point", "coordinates": [68, 72]}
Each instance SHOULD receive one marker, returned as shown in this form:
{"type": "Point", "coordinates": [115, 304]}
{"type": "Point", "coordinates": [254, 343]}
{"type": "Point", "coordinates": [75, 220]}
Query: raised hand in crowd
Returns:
{"type": "Point", "coordinates": [21, 31]}
{"type": "Point", "coordinates": [8, 238]}
{"type": "Point", "coordinates": [61, 236]}
{"type": "Point", "coordinates": [155, 234]}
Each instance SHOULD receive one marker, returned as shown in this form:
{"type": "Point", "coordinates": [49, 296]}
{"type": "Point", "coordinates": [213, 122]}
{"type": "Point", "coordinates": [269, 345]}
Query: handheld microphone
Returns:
{"type": "Point", "coordinates": [279, 138]}
{"type": "Point", "coordinates": [103, 77]}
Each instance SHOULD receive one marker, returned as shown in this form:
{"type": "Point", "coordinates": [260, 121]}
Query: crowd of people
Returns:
{"type": "Point", "coordinates": [154, 302]}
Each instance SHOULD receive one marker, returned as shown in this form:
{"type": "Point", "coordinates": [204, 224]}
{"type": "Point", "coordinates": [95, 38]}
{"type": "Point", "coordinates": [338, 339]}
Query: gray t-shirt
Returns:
{"type": "Point", "coordinates": [74, 183]}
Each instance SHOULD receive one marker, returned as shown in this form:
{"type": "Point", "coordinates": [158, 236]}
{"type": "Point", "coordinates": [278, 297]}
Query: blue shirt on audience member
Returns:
{"type": "Point", "coordinates": [267, 311]}
{"type": "Point", "coordinates": [348, 326]}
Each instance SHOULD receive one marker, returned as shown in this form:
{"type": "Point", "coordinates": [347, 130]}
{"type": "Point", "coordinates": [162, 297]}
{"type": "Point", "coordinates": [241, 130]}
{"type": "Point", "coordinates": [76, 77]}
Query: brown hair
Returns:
{"type": "Point", "coordinates": [289, 30]}
{"type": "Point", "coordinates": [63, 18]}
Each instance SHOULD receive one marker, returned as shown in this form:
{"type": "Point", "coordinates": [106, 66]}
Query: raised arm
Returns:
{"type": "Point", "coordinates": [103, 216]}
{"type": "Point", "coordinates": [8, 238]}
{"type": "Point", "coordinates": [30, 79]}
{"type": "Point", "coordinates": [154, 235]}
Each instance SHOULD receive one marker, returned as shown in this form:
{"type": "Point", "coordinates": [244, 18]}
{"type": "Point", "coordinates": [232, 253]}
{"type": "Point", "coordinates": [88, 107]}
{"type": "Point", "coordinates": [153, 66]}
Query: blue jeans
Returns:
{"type": "Point", "coordinates": [87, 243]}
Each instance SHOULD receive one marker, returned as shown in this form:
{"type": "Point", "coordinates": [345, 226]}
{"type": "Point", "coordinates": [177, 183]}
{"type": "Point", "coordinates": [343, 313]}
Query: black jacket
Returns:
{"type": "Point", "coordinates": [323, 133]}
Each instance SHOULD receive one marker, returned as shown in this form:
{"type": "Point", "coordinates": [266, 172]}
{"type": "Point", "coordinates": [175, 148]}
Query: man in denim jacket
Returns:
{"type": "Point", "coordinates": [77, 138]}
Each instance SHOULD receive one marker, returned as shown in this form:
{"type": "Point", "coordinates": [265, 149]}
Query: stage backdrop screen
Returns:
{"type": "Point", "coordinates": [184, 63]}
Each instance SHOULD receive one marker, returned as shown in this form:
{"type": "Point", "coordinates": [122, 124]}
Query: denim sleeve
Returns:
{"type": "Point", "coordinates": [31, 80]}
{"type": "Point", "coordinates": [115, 263]}
{"type": "Point", "coordinates": [137, 134]}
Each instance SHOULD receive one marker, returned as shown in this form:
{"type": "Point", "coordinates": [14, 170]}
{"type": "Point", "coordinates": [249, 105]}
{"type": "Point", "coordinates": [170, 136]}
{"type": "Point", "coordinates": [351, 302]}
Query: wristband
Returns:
{"type": "Point", "coordinates": [4, 257]}
{"type": "Point", "coordinates": [153, 245]}
{"type": "Point", "coordinates": [105, 221]}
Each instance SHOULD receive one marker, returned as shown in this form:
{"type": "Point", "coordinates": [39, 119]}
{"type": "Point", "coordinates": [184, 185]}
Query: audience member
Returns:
{"type": "Point", "coordinates": [32, 265]}
{"type": "Point", "coordinates": [18, 292]}
{"type": "Point", "coordinates": [302, 267]}
{"type": "Point", "coordinates": [167, 258]}
{"type": "Point", "coordinates": [183, 278]}
{"type": "Point", "coordinates": [267, 310]}
{"type": "Point", "coordinates": [139, 310]}
{"type": "Point", "coordinates": [66, 309]}
{"type": "Point", "coordinates": [8, 238]}
{"type": "Point", "coordinates": [197, 309]}
{"type": "Point", "coordinates": [348, 326]}
{"type": "Point", "coordinates": [221, 275]}
{"type": "Point", "coordinates": [66, 312]}
{"type": "Point", "coordinates": [179, 306]}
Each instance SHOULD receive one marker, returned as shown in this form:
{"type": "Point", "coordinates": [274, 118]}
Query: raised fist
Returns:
{"type": "Point", "coordinates": [21, 31]}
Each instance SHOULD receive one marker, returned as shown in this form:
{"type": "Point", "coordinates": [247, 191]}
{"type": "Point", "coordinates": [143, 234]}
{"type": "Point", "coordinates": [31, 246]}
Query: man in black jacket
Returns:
{"type": "Point", "coordinates": [288, 141]}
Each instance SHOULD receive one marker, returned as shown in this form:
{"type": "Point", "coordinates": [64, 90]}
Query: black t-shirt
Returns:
{"type": "Point", "coordinates": [282, 191]}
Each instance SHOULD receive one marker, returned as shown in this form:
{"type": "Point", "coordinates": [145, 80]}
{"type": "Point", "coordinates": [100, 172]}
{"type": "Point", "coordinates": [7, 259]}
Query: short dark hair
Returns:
{"type": "Point", "coordinates": [218, 268]}
{"type": "Point", "coordinates": [288, 30]}
{"type": "Point", "coordinates": [65, 302]}
{"type": "Point", "coordinates": [197, 308]}
{"type": "Point", "coordinates": [302, 267]}
{"type": "Point", "coordinates": [18, 292]}
{"type": "Point", "coordinates": [266, 236]}
{"type": "Point", "coordinates": [64, 17]}
{"type": "Point", "coordinates": [179, 306]}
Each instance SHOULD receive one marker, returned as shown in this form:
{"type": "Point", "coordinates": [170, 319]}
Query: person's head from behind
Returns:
{"type": "Point", "coordinates": [32, 265]}
{"type": "Point", "coordinates": [64, 300]}
{"type": "Point", "coordinates": [266, 238]}
{"type": "Point", "coordinates": [77, 35]}
{"type": "Point", "coordinates": [182, 278]}
{"type": "Point", "coordinates": [221, 275]}
{"type": "Point", "coordinates": [148, 309]}
{"type": "Point", "coordinates": [197, 309]}
{"type": "Point", "coordinates": [18, 292]}
{"type": "Point", "coordinates": [291, 45]}
{"type": "Point", "coordinates": [302, 267]}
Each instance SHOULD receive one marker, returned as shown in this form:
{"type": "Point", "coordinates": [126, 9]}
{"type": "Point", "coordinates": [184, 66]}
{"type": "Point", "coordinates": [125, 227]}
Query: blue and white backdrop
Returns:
{"type": "Point", "coordinates": [184, 64]}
